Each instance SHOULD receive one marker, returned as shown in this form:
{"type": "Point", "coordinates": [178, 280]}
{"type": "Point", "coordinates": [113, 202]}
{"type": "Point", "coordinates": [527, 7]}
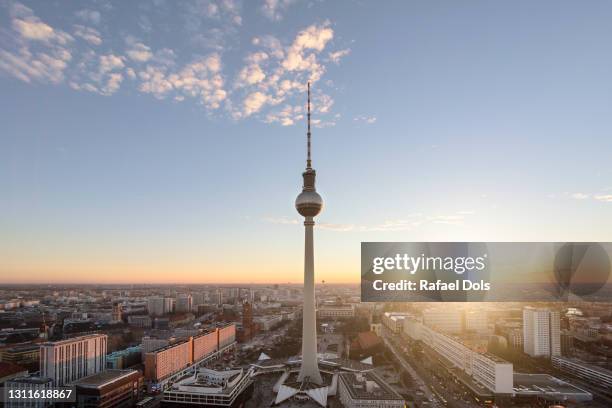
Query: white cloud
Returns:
{"type": "Point", "coordinates": [201, 79]}
{"type": "Point", "coordinates": [410, 222]}
{"type": "Point", "coordinates": [110, 62]}
{"type": "Point", "coordinates": [274, 9]}
{"type": "Point", "coordinates": [112, 84]}
{"type": "Point", "coordinates": [40, 52]}
{"type": "Point", "coordinates": [254, 102]}
{"type": "Point", "coordinates": [270, 84]}
{"type": "Point", "coordinates": [287, 116]}
{"type": "Point", "coordinates": [32, 28]}
{"type": "Point", "coordinates": [607, 198]}
{"type": "Point", "coordinates": [90, 16]}
{"type": "Point", "coordinates": [41, 66]}
{"type": "Point", "coordinates": [580, 196]}
{"type": "Point", "coordinates": [139, 52]}
{"type": "Point", "coordinates": [336, 56]}
{"type": "Point", "coordinates": [365, 119]}
{"type": "Point", "coordinates": [88, 34]}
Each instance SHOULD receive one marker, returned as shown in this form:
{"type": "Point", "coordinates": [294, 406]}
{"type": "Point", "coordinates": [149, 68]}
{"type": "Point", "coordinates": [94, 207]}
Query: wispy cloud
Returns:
{"type": "Point", "coordinates": [275, 9]}
{"type": "Point", "coordinates": [607, 198]}
{"type": "Point", "coordinates": [89, 16]}
{"type": "Point", "coordinates": [602, 197]}
{"type": "Point", "coordinates": [365, 119]}
{"type": "Point", "coordinates": [336, 56]}
{"type": "Point", "coordinates": [580, 196]}
{"type": "Point", "coordinates": [410, 222]}
{"type": "Point", "coordinates": [91, 35]}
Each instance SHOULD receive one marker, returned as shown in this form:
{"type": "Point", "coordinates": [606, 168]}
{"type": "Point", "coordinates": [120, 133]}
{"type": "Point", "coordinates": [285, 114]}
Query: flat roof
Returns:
{"type": "Point", "coordinates": [529, 384]}
{"type": "Point", "coordinates": [104, 378]}
{"type": "Point", "coordinates": [358, 390]}
{"type": "Point", "coordinates": [70, 340]}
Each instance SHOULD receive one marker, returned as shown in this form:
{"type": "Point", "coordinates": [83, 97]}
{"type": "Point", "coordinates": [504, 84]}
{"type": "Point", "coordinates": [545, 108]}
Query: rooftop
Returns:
{"type": "Point", "coordinates": [546, 385]}
{"type": "Point", "coordinates": [72, 339]}
{"type": "Point", "coordinates": [368, 386]}
{"type": "Point", "coordinates": [104, 378]}
{"type": "Point", "coordinates": [7, 369]}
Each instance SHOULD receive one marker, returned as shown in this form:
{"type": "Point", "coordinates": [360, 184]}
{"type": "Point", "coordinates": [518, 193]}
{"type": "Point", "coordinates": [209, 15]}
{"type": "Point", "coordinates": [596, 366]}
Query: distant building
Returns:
{"type": "Point", "coordinates": [567, 343]}
{"type": "Point", "coordinates": [394, 321]}
{"type": "Point", "coordinates": [140, 321]}
{"type": "Point", "coordinates": [155, 306]}
{"type": "Point", "coordinates": [68, 360]}
{"type": "Point", "coordinates": [367, 390]}
{"type": "Point", "coordinates": [27, 355]}
{"type": "Point", "coordinates": [267, 323]}
{"type": "Point", "coordinates": [447, 320]}
{"type": "Point", "coordinates": [117, 312]}
{"type": "Point", "coordinates": [336, 312]}
{"type": "Point", "coordinates": [125, 358]}
{"type": "Point", "coordinates": [110, 388]}
{"type": "Point", "coordinates": [541, 332]}
{"type": "Point", "coordinates": [476, 321]}
{"type": "Point", "coordinates": [184, 303]}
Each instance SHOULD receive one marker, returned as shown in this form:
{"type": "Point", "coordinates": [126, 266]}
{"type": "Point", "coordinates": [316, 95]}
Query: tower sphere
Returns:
{"type": "Point", "coordinates": [309, 203]}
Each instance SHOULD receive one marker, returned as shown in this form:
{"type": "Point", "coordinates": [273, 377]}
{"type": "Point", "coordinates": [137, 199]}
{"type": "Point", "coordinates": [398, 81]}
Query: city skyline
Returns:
{"type": "Point", "coordinates": [152, 143]}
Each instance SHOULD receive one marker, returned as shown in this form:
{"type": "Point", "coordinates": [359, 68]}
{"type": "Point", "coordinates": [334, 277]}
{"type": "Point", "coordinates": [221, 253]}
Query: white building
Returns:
{"type": "Point", "coordinates": [491, 372]}
{"type": "Point", "coordinates": [541, 332]}
{"type": "Point", "coordinates": [447, 320]}
{"type": "Point", "coordinates": [68, 360]}
{"type": "Point", "coordinates": [394, 321]}
{"type": "Point", "coordinates": [208, 388]}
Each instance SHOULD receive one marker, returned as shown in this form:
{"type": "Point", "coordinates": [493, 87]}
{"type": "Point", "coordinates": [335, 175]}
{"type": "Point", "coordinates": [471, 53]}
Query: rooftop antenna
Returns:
{"type": "Point", "coordinates": [308, 161]}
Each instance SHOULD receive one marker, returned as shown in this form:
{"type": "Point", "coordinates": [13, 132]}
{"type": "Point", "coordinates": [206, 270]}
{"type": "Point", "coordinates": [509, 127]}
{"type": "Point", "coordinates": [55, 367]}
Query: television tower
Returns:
{"type": "Point", "coordinates": [309, 204]}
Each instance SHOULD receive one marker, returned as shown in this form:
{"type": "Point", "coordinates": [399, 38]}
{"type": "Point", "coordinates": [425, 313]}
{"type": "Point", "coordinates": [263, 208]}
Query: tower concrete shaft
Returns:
{"type": "Point", "coordinates": [309, 204]}
{"type": "Point", "coordinates": [310, 366]}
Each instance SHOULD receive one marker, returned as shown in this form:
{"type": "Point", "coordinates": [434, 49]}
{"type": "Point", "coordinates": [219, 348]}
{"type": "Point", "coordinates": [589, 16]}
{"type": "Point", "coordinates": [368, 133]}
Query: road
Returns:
{"type": "Point", "coordinates": [435, 401]}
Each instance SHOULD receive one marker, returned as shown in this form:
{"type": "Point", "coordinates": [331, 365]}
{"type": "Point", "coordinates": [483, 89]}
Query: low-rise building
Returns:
{"type": "Point", "coordinates": [209, 388]}
{"type": "Point", "coordinates": [361, 390]}
{"type": "Point", "coordinates": [589, 372]}
{"type": "Point", "coordinates": [140, 321]}
{"type": "Point", "coordinates": [110, 388]}
{"type": "Point", "coordinates": [22, 355]}
{"type": "Point", "coordinates": [394, 321]}
{"type": "Point", "coordinates": [336, 312]}
{"type": "Point", "coordinates": [28, 384]}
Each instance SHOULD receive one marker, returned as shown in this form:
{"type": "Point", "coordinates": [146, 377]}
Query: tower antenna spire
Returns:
{"type": "Point", "coordinates": [308, 160]}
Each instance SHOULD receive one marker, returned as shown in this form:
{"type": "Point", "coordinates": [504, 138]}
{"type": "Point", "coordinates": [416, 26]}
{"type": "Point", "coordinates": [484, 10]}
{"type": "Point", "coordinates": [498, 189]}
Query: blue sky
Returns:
{"type": "Point", "coordinates": [163, 141]}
